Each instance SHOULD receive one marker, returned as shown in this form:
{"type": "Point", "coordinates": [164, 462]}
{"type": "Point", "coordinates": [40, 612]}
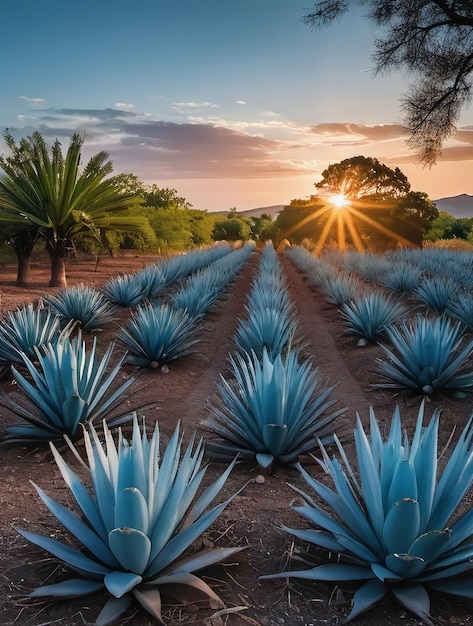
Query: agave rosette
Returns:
{"type": "Point", "coordinates": [157, 334]}
{"type": "Point", "coordinates": [71, 386]}
{"type": "Point", "coordinates": [82, 304]}
{"type": "Point", "coordinates": [391, 524]}
{"type": "Point", "coordinates": [427, 355]}
{"type": "Point", "coordinates": [142, 516]}
{"type": "Point", "coordinates": [274, 409]}
{"type": "Point", "coordinates": [370, 314]}
{"type": "Point", "coordinates": [24, 328]}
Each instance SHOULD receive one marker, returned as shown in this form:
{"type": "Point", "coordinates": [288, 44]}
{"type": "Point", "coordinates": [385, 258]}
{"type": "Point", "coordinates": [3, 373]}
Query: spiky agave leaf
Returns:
{"type": "Point", "coordinates": [427, 356]}
{"type": "Point", "coordinates": [143, 514]}
{"type": "Point", "coordinates": [71, 387]}
{"type": "Point", "coordinates": [270, 329]}
{"type": "Point", "coordinates": [124, 291]}
{"type": "Point", "coordinates": [396, 526]}
{"type": "Point", "coordinates": [371, 314]}
{"type": "Point", "coordinates": [437, 291]}
{"type": "Point", "coordinates": [460, 307]}
{"type": "Point", "coordinates": [24, 329]}
{"type": "Point", "coordinates": [82, 304]}
{"type": "Point", "coordinates": [273, 410]}
{"type": "Point", "coordinates": [157, 334]}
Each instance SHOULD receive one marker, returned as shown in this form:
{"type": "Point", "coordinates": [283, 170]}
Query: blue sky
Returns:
{"type": "Point", "coordinates": [232, 104]}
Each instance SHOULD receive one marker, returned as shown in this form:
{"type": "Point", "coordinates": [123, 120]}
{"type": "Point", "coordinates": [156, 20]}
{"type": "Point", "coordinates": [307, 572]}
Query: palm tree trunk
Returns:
{"type": "Point", "coordinates": [22, 245]}
{"type": "Point", "coordinates": [58, 251]}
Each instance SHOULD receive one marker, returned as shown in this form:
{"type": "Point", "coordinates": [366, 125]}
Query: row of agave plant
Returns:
{"type": "Point", "coordinates": [67, 383]}
{"type": "Point", "coordinates": [388, 522]}
{"type": "Point", "coordinates": [273, 406]}
{"type": "Point", "coordinates": [426, 353]}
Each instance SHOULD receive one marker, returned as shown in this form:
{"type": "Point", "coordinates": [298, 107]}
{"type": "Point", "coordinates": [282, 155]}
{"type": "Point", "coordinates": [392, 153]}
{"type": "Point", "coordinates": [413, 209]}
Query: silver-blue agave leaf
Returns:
{"type": "Point", "coordinates": [24, 329]}
{"type": "Point", "coordinates": [270, 409]}
{"type": "Point", "coordinates": [427, 355]}
{"type": "Point", "coordinates": [144, 510]}
{"type": "Point", "coordinates": [393, 521]}
{"type": "Point", "coordinates": [82, 304]}
{"type": "Point", "coordinates": [157, 335]}
{"type": "Point", "coordinates": [71, 387]}
{"type": "Point", "coordinates": [437, 291]}
{"type": "Point", "coordinates": [124, 291]}
{"type": "Point", "coordinates": [371, 314]}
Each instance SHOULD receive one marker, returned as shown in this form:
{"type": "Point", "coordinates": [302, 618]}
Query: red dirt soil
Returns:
{"type": "Point", "coordinates": [254, 517]}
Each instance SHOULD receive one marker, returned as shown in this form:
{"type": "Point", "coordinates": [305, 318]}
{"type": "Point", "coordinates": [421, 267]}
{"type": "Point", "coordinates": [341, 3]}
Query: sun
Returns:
{"type": "Point", "coordinates": [339, 200]}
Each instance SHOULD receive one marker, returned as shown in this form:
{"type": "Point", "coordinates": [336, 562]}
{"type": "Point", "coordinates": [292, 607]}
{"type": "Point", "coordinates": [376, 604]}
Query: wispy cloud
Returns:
{"type": "Point", "coordinates": [240, 102]}
{"type": "Point", "coordinates": [123, 105]}
{"type": "Point", "coordinates": [32, 100]}
{"type": "Point", "coordinates": [207, 147]}
{"type": "Point", "coordinates": [185, 107]}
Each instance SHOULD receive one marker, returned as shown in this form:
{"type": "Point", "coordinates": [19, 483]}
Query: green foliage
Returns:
{"type": "Point", "coordinates": [299, 220]}
{"type": "Point", "coordinates": [391, 523]}
{"type": "Point", "coordinates": [232, 229]}
{"type": "Point", "coordinates": [142, 516]}
{"type": "Point", "coordinates": [273, 410]}
{"type": "Point", "coordinates": [72, 387]}
{"type": "Point", "coordinates": [47, 189]}
{"type": "Point", "coordinates": [428, 356]}
{"type": "Point", "coordinates": [445, 226]}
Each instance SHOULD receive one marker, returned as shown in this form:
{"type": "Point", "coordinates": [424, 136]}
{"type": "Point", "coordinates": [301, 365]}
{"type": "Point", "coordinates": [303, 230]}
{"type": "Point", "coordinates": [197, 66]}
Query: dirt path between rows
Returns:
{"type": "Point", "coordinates": [254, 517]}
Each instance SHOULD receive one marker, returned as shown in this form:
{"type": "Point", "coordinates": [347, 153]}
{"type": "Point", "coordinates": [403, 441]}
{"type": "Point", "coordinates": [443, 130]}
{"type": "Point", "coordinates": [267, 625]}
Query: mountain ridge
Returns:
{"type": "Point", "coordinates": [460, 206]}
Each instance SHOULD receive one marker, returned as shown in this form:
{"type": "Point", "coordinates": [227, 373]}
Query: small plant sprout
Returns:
{"type": "Point", "coordinates": [143, 514]}
{"type": "Point", "coordinates": [393, 525]}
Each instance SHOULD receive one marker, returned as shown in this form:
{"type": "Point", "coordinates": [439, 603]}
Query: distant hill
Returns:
{"type": "Point", "coordinates": [269, 210]}
{"type": "Point", "coordinates": [458, 206]}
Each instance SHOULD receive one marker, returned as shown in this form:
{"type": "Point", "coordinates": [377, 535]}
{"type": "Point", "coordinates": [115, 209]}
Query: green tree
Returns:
{"type": "Point", "coordinates": [433, 41]}
{"type": "Point", "coordinates": [376, 207]}
{"type": "Point", "coordinates": [300, 220]}
{"type": "Point", "coordinates": [446, 226]}
{"type": "Point", "coordinates": [51, 192]}
{"type": "Point", "coordinates": [231, 229]}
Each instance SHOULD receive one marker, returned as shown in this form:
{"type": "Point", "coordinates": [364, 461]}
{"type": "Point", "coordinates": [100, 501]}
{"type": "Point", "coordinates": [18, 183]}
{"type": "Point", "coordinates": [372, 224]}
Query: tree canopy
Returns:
{"type": "Point", "coordinates": [433, 41]}
{"type": "Point", "coordinates": [51, 193]}
{"type": "Point", "coordinates": [362, 203]}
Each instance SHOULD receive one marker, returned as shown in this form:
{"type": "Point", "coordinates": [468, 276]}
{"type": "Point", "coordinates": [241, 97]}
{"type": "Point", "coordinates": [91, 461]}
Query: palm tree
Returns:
{"type": "Point", "coordinates": [48, 191]}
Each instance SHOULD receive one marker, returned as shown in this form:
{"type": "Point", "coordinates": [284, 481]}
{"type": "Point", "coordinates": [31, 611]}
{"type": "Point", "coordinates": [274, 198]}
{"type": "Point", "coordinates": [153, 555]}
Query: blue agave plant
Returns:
{"type": "Point", "coordinates": [124, 291]}
{"type": "Point", "coordinates": [371, 314]}
{"type": "Point", "coordinates": [427, 356]}
{"type": "Point", "coordinates": [437, 292]}
{"type": "Point", "coordinates": [393, 524]}
{"type": "Point", "coordinates": [82, 304]}
{"type": "Point", "coordinates": [270, 329]}
{"type": "Point", "coordinates": [71, 387]}
{"type": "Point", "coordinates": [274, 410]}
{"type": "Point", "coordinates": [157, 335]}
{"type": "Point", "coordinates": [135, 526]}
{"type": "Point", "coordinates": [460, 307]}
{"type": "Point", "coordinates": [24, 328]}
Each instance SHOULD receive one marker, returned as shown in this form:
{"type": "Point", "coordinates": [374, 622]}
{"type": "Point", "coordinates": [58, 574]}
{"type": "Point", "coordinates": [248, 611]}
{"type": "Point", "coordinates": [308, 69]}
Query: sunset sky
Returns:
{"type": "Point", "coordinates": [233, 104]}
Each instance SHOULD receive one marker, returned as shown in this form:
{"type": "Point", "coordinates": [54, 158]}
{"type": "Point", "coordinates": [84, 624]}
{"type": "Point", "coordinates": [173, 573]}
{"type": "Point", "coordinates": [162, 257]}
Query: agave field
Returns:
{"type": "Point", "coordinates": [238, 437]}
